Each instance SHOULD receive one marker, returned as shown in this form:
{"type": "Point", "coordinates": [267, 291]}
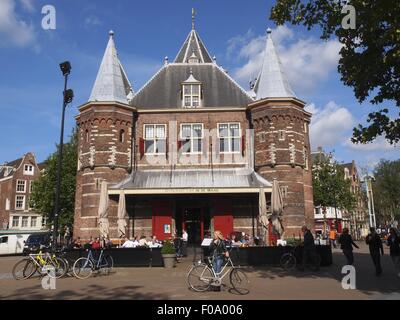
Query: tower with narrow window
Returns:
{"type": "Point", "coordinates": [105, 142]}
{"type": "Point", "coordinates": [282, 144]}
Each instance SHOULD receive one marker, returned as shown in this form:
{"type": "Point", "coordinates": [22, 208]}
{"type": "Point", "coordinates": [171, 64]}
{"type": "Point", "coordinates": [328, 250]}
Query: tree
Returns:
{"type": "Point", "coordinates": [386, 188]}
{"type": "Point", "coordinates": [370, 55]}
{"type": "Point", "coordinates": [330, 187]}
{"type": "Point", "coordinates": [43, 195]}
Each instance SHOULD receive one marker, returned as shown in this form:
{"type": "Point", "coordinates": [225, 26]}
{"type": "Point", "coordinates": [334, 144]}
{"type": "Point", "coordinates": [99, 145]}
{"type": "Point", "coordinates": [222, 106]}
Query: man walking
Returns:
{"type": "Point", "coordinates": [309, 250]}
{"type": "Point", "coordinates": [185, 238]}
{"type": "Point", "coordinates": [346, 244]}
{"type": "Point", "coordinates": [332, 237]}
{"type": "Point", "coordinates": [375, 249]}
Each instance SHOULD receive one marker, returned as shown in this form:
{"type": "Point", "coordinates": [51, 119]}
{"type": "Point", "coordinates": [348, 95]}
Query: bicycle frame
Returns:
{"type": "Point", "coordinates": [221, 275]}
{"type": "Point", "coordinates": [96, 263]}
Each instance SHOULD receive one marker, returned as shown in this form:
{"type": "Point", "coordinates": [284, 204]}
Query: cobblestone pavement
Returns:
{"type": "Point", "coordinates": [158, 283]}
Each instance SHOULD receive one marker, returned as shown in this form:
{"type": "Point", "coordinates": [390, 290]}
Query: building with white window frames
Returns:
{"type": "Point", "coordinates": [16, 185]}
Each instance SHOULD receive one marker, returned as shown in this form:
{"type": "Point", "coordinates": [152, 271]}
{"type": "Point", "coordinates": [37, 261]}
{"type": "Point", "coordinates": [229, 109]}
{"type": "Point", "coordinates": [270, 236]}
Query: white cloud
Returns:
{"type": "Point", "coordinates": [92, 21]}
{"type": "Point", "coordinates": [379, 144]}
{"type": "Point", "coordinates": [13, 30]}
{"type": "Point", "coordinates": [306, 62]}
{"type": "Point", "coordinates": [329, 125]}
{"type": "Point", "coordinates": [28, 5]}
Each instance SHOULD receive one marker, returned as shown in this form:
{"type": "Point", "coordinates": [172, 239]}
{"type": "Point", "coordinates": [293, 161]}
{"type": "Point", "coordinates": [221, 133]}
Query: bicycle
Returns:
{"type": "Point", "coordinates": [85, 266]}
{"type": "Point", "coordinates": [202, 276]}
{"type": "Point", "coordinates": [43, 263]}
{"type": "Point", "coordinates": [291, 259]}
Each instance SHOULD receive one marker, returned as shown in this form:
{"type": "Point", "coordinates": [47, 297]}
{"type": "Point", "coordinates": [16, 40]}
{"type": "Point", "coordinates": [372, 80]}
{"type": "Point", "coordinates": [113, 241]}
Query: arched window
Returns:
{"type": "Point", "coordinates": [87, 135]}
{"type": "Point", "coordinates": [121, 135]}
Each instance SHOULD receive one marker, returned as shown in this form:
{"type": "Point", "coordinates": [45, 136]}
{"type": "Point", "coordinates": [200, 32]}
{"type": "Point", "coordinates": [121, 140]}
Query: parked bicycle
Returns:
{"type": "Point", "coordinates": [202, 276]}
{"type": "Point", "coordinates": [85, 266]}
{"type": "Point", "coordinates": [44, 263]}
{"type": "Point", "coordinates": [292, 259]}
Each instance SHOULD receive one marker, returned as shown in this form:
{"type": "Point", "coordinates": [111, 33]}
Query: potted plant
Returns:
{"type": "Point", "coordinates": [169, 254]}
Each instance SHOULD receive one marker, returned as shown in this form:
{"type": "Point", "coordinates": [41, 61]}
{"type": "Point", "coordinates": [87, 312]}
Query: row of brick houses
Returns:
{"type": "Point", "coordinates": [16, 183]}
{"type": "Point", "coordinates": [357, 220]}
{"type": "Point", "coordinates": [191, 149]}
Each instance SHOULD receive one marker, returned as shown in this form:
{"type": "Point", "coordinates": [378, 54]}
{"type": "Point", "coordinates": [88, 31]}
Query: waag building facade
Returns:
{"type": "Point", "coordinates": [191, 149]}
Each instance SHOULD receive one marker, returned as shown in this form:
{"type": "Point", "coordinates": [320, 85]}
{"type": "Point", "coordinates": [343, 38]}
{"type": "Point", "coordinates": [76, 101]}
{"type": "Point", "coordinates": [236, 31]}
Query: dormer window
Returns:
{"type": "Point", "coordinates": [193, 58]}
{"type": "Point", "coordinates": [191, 90]}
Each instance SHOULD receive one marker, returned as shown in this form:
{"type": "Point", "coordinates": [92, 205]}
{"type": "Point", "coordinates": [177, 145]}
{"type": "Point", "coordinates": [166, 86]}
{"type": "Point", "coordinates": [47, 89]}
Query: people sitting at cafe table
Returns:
{"type": "Point", "coordinates": [129, 243]}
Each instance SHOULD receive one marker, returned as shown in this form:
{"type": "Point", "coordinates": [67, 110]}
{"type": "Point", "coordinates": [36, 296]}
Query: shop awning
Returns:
{"type": "Point", "coordinates": [192, 181]}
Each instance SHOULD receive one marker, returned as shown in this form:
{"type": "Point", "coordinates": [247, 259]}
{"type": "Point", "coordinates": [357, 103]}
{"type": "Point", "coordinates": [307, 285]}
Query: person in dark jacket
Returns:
{"type": "Point", "coordinates": [346, 244]}
{"type": "Point", "coordinates": [375, 249]}
{"type": "Point", "coordinates": [309, 250]}
{"type": "Point", "coordinates": [218, 251]}
{"type": "Point", "coordinates": [393, 241]}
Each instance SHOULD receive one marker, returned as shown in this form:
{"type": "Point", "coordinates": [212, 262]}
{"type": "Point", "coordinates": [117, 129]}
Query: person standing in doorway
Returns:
{"type": "Point", "coordinates": [375, 249]}
{"type": "Point", "coordinates": [346, 244]}
{"type": "Point", "coordinates": [185, 238]}
{"type": "Point", "coordinates": [393, 242]}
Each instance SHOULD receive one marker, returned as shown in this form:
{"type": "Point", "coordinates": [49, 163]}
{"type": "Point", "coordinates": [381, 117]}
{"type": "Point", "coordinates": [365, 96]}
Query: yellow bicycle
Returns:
{"type": "Point", "coordinates": [43, 263]}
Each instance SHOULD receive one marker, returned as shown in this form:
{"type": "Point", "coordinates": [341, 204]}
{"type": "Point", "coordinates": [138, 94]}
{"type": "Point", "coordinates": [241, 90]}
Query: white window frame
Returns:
{"type": "Point", "coordinates": [191, 95]}
{"type": "Point", "coordinates": [154, 139]}
{"type": "Point", "coordinates": [23, 202]}
{"type": "Point", "coordinates": [29, 172]}
{"type": "Point", "coordinates": [15, 218]}
{"type": "Point", "coordinates": [229, 137]}
{"type": "Point", "coordinates": [192, 138]}
{"type": "Point", "coordinates": [34, 219]}
{"type": "Point", "coordinates": [17, 185]}
{"type": "Point", "coordinates": [25, 218]}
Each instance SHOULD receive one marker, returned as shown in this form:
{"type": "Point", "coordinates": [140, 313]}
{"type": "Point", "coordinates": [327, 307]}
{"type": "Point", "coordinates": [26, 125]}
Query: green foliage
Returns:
{"type": "Point", "coordinates": [168, 247]}
{"type": "Point", "coordinates": [386, 190]}
{"type": "Point", "coordinates": [370, 56]}
{"type": "Point", "coordinates": [43, 196]}
{"type": "Point", "coordinates": [293, 241]}
{"type": "Point", "coordinates": [330, 187]}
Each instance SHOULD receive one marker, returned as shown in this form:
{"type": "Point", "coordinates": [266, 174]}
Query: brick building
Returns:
{"type": "Point", "coordinates": [191, 149]}
{"type": "Point", "coordinates": [16, 179]}
{"type": "Point", "coordinates": [356, 220]}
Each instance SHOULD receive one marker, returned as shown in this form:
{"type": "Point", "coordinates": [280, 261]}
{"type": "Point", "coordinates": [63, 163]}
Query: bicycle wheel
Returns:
{"type": "Point", "coordinates": [200, 277]}
{"type": "Point", "coordinates": [23, 269]}
{"type": "Point", "coordinates": [239, 281]}
{"type": "Point", "coordinates": [82, 268]}
{"type": "Point", "coordinates": [288, 261]}
{"type": "Point", "coordinates": [59, 265]}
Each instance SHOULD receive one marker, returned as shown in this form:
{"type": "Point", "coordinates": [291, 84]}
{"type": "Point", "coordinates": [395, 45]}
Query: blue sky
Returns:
{"type": "Point", "coordinates": [145, 32]}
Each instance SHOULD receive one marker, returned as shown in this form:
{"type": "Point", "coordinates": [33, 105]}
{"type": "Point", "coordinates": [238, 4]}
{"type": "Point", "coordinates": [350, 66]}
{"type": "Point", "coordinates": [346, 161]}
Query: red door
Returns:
{"type": "Point", "coordinates": [162, 219]}
{"type": "Point", "coordinates": [223, 219]}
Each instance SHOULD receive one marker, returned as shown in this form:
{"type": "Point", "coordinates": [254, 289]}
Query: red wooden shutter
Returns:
{"type": "Point", "coordinates": [166, 148]}
{"type": "Point", "coordinates": [141, 147]}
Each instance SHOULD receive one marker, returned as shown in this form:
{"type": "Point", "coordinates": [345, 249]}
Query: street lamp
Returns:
{"type": "Point", "coordinates": [68, 96]}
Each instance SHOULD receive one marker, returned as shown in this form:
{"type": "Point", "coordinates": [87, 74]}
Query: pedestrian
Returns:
{"type": "Point", "coordinates": [96, 244]}
{"type": "Point", "coordinates": [346, 244]}
{"type": "Point", "coordinates": [332, 237]}
{"type": "Point", "coordinates": [393, 242]}
{"type": "Point", "coordinates": [218, 251]}
{"type": "Point", "coordinates": [185, 238]}
{"type": "Point", "coordinates": [309, 250]}
{"type": "Point", "coordinates": [375, 249]}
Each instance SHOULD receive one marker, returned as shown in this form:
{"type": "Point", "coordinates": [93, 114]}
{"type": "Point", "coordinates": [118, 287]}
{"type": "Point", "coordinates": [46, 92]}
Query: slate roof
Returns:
{"type": "Point", "coordinates": [164, 89]}
{"type": "Point", "coordinates": [14, 164]}
{"type": "Point", "coordinates": [193, 44]}
{"type": "Point", "coordinates": [272, 81]}
{"type": "Point", "coordinates": [111, 83]}
{"type": "Point", "coordinates": [201, 178]}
